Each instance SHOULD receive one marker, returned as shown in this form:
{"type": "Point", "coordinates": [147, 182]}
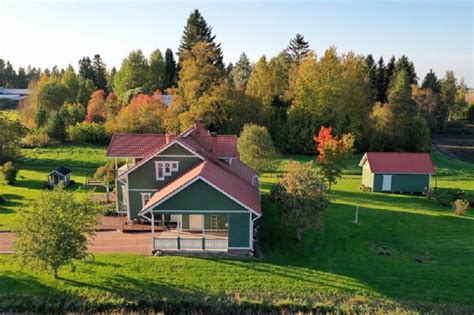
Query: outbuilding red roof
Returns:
{"type": "Point", "coordinates": [399, 162]}
{"type": "Point", "coordinates": [229, 183]}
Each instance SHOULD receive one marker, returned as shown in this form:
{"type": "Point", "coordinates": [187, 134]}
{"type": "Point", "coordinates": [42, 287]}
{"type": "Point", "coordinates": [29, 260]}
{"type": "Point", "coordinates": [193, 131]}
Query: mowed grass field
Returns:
{"type": "Point", "coordinates": [406, 254]}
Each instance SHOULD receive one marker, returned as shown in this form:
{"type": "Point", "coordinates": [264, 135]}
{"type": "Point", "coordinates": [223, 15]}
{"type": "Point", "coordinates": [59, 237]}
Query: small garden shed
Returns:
{"type": "Point", "coordinates": [60, 175]}
{"type": "Point", "coordinates": [396, 171]}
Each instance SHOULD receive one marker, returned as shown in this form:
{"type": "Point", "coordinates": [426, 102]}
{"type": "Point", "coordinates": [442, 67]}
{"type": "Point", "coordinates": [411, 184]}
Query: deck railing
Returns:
{"type": "Point", "coordinates": [196, 244]}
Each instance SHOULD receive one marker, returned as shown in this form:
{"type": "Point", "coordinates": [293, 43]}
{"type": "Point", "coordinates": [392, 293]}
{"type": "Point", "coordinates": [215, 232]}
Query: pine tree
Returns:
{"type": "Point", "coordinates": [404, 63]}
{"type": "Point", "coordinates": [197, 30]}
{"type": "Point", "coordinates": [380, 82]}
{"type": "Point", "coordinates": [371, 69]}
{"type": "Point", "coordinates": [100, 78]}
{"type": "Point", "coordinates": [431, 82]}
{"type": "Point", "coordinates": [55, 127]}
{"type": "Point", "coordinates": [298, 49]}
{"type": "Point", "coordinates": [85, 69]}
{"type": "Point", "coordinates": [241, 72]}
{"type": "Point", "coordinates": [170, 69]}
{"type": "Point", "coordinates": [389, 69]}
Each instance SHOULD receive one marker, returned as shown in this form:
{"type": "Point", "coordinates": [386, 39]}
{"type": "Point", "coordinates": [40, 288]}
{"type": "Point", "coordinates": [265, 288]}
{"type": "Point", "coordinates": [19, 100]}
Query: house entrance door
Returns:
{"type": "Point", "coordinates": [387, 183]}
{"type": "Point", "coordinates": [195, 222]}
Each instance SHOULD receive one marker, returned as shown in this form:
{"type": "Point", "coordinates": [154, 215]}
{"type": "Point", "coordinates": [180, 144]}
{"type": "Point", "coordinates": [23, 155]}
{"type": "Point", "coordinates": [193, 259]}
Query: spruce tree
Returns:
{"type": "Point", "coordinates": [404, 63]}
{"type": "Point", "coordinates": [85, 69]}
{"type": "Point", "coordinates": [298, 49]}
{"type": "Point", "coordinates": [431, 82]}
{"type": "Point", "coordinates": [100, 78]}
{"type": "Point", "coordinates": [55, 127]}
{"type": "Point", "coordinates": [197, 30]}
{"type": "Point", "coordinates": [170, 69]}
{"type": "Point", "coordinates": [241, 72]}
{"type": "Point", "coordinates": [380, 82]}
{"type": "Point", "coordinates": [389, 69]}
{"type": "Point", "coordinates": [371, 69]}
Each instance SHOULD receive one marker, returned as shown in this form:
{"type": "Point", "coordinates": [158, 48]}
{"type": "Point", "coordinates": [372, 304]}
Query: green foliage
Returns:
{"type": "Point", "coordinates": [85, 132]}
{"type": "Point", "coordinates": [298, 49]}
{"type": "Point", "coordinates": [170, 70]}
{"type": "Point", "coordinates": [41, 117]}
{"type": "Point", "coordinates": [431, 82]}
{"type": "Point", "coordinates": [52, 232]}
{"type": "Point", "coordinates": [431, 108]}
{"type": "Point", "coordinates": [52, 95]}
{"type": "Point", "coordinates": [10, 135]}
{"type": "Point", "coordinates": [157, 71]}
{"type": "Point", "coordinates": [9, 172]}
{"type": "Point", "coordinates": [195, 31]}
{"type": "Point", "coordinates": [404, 64]}
{"type": "Point", "coordinates": [36, 138]}
{"type": "Point", "coordinates": [55, 127]}
{"type": "Point", "coordinates": [100, 76]}
{"type": "Point", "coordinates": [256, 148]}
{"type": "Point", "coordinates": [240, 73]}
{"type": "Point", "coordinates": [133, 73]}
{"type": "Point", "coordinates": [470, 113]}
{"type": "Point", "coordinates": [106, 173]}
{"type": "Point", "coordinates": [302, 197]}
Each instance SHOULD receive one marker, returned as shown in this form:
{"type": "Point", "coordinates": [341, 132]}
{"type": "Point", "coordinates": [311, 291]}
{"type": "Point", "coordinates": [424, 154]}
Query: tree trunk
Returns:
{"type": "Point", "coordinates": [299, 233]}
{"type": "Point", "coordinates": [107, 195]}
{"type": "Point", "coordinates": [55, 273]}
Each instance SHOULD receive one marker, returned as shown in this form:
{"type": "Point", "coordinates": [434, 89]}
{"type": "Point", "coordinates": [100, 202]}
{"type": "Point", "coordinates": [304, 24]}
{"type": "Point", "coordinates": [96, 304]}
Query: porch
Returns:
{"type": "Point", "coordinates": [193, 232]}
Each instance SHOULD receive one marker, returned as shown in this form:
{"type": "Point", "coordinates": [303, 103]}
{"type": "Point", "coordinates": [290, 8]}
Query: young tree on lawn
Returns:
{"type": "Point", "coordinates": [302, 197]}
{"type": "Point", "coordinates": [334, 153]}
{"type": "Point", "coordinates": [9, 172]}
{"type": "Point", "coordinates": [106, 174]}
{"type": "Point", "coordinates": [53, 231]}
{"type": "Point", "coordinates": [256, 148]}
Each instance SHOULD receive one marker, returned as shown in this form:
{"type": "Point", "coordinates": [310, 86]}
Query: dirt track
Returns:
{"type": "Point", "coordinates": [457, 146]}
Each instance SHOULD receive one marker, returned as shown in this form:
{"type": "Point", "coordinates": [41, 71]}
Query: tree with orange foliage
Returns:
{"type": "Point", "coordinates": [144, 114]}
{"type": "Point", "coordinates": [96, 110]}
{"type": "Point", "coordinates": [334, 153]}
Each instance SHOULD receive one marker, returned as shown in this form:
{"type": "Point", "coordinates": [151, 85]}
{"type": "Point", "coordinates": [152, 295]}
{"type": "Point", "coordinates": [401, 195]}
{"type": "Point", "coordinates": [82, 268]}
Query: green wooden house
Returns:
{"type": "Point", "coordinates": [396, 172]}
{"type": "Point", "coordinates": [192, 188]}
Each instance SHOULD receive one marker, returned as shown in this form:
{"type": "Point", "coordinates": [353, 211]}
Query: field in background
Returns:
{"type": "Point", "coordinates": [407, 252]}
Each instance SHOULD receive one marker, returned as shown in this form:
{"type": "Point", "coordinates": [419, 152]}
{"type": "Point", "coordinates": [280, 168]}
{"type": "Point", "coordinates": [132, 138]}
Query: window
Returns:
{"type": "Point", "coordinates": [145, 198]}
{"type": "Point", "coordinates": [165, 168]}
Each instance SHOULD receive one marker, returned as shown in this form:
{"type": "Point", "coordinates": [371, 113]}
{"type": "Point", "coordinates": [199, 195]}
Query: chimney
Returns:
{"type": "Point", "coordinates": [197, 126]}
{"type": "Point", "coordinates": [214, 145]}
{"type": "Point", "coordinates": [168, 138]}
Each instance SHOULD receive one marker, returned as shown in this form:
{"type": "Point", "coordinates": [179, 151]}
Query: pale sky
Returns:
{"type": "Point", "coordinates": [433, 34]}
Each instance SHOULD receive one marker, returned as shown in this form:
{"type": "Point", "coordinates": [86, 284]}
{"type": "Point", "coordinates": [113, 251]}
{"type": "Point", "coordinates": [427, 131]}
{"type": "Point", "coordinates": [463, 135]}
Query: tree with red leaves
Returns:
{"type": "Point", "coordinates": [96, 110]}
{"type": "Point", "coordinates": [334, 153]}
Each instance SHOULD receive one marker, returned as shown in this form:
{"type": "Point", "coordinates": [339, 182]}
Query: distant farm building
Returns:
{"type": "Point", "coordinates": [10, 98]}
{"type": "Point", "coordinates": [396, 172]}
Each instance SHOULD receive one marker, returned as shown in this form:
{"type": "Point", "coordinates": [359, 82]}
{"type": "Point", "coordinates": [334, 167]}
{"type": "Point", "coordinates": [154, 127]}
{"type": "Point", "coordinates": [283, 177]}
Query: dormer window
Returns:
{"type": "Point", "coordinates": [165, 168]}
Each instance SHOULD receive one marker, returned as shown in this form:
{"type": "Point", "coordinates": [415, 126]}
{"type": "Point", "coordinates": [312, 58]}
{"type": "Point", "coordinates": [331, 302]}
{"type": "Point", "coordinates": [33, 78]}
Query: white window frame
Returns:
{"type": "Point", "coordinates": [144, 195]}
{"type": "Point", "coordinates": [173, 167]}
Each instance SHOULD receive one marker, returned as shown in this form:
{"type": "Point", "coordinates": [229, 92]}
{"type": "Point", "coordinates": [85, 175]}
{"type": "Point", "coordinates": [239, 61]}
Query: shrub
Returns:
{"type": "Point", "coordinates": [446, 196]}
{"type": "Point", "coordinates": [36, 139]}
{"type": "Point", "coordinates": [85, 132]}
{"type": "Point", "coordinates": [9, 173]}
{"type": "Point", "coordinates": [256, 148]}
{"type": "Point", "coordinates": [460, 206]}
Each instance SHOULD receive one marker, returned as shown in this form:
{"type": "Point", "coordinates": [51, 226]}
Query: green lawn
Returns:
{"type": "Point", "coordinates": [34, 168]}
{"type": "Point", "coordinates": [339, 267]}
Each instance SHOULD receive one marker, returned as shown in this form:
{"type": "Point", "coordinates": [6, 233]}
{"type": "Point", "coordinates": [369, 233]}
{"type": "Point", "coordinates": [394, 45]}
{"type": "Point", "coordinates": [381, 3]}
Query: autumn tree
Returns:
{"type": "Point", "coordinates": [298, 49]}
{"type": "Point", "coordinates": [334, 153]}
{"type": "Point", "coordinates": [256, 148]}
{"type": "Point", "coordinates": [431, 108]}
{"type": "Point", "coordinates": [53, 231]}
{"type": "Point", "coordinates": [302, 197]}
{"type": "Point", "coordinates": [96, 110]}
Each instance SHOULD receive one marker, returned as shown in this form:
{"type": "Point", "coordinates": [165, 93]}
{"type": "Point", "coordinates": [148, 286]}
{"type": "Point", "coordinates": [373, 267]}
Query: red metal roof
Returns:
{"type": "Point", "coordinates": [136, 145]}
{"type": "Point", "coordinates": [227, 182]}
{"type": "Point", "coordinates": [401, 163]}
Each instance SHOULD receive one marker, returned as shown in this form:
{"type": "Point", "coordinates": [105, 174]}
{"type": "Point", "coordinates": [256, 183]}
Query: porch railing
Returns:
{"type": "Point", "coordinates": [179, 243]}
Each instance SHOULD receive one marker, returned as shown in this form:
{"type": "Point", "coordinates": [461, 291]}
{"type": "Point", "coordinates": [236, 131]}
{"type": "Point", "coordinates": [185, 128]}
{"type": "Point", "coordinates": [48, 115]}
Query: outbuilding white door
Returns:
{"type": "Point", "coordinates": [387, 183]}
{"type": "Point", "coordinates": [195, 222]}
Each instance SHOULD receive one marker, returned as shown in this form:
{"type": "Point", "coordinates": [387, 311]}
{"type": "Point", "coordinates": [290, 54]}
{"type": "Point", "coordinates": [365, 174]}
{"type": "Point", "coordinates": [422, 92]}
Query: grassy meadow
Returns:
{"type": "Point", "coordinates": [407, 254]}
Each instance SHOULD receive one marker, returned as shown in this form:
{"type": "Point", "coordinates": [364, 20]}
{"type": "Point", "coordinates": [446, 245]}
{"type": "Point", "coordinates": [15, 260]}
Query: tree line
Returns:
{"type": "Point", "coordinates": [292, 94]}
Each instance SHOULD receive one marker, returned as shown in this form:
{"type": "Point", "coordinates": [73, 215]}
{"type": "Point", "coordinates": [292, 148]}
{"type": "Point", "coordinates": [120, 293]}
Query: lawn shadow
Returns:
{"type": "Point", "coordinates": [11, 201]}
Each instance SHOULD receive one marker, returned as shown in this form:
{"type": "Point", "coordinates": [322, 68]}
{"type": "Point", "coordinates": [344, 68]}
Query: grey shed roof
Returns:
{"type": "Point", "coordinates": [61, 170]}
